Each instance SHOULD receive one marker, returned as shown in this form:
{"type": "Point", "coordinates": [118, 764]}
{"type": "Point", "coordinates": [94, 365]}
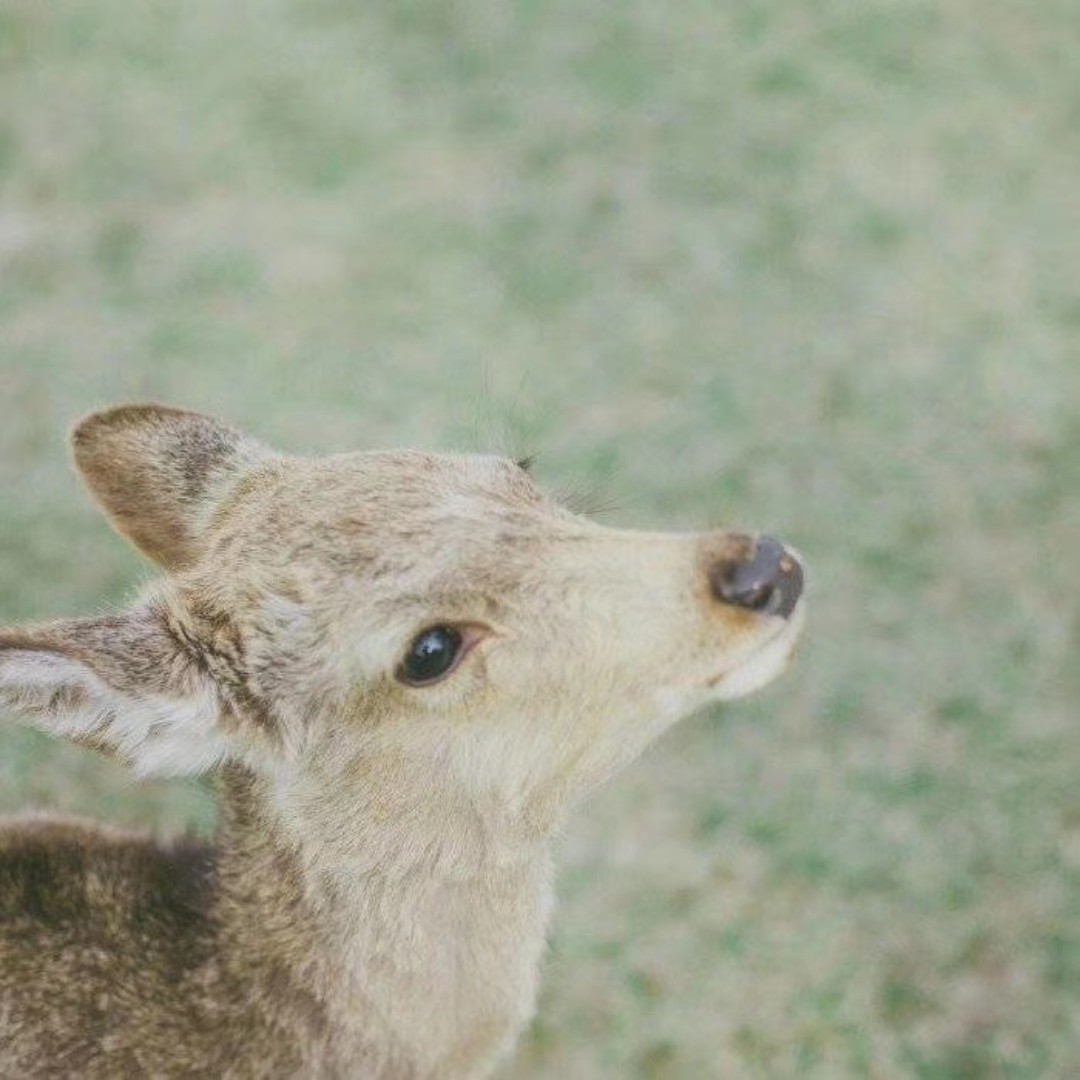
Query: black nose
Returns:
{"type": "Point", "coordinates": [767, 578]}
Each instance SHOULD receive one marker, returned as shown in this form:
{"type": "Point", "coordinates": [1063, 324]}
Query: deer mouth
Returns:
{"type": "Point", "coordinates": [765, 662]}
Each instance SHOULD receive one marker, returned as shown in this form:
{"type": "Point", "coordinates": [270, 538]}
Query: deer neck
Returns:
{"type": "Point", "coordinates": [413, 941]}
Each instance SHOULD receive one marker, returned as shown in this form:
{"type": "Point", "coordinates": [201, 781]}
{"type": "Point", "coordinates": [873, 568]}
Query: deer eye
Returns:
{"type": "Point", "coordinates": [432, 654]}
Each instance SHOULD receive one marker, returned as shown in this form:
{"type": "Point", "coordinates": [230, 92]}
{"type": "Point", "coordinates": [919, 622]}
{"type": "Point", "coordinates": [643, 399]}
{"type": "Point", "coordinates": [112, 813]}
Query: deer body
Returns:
{"type": "Point", "coordinates": [102, 929]}
{"type": "Point", "coordinates": [406, 671]}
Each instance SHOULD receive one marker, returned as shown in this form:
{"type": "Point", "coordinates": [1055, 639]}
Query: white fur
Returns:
{"type": "Point", "coordinates": [159, 736]}
{"type": "Point", "coordinates": [764, 664]}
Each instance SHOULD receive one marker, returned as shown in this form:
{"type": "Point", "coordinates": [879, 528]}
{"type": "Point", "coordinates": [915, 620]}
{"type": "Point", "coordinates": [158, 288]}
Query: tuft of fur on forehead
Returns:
{"type": "Point", "coordinates": [397, 522]}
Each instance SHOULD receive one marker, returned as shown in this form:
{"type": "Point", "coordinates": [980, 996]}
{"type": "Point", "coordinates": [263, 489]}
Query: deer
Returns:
{"type": "Point", "coordinates": [405, 670]}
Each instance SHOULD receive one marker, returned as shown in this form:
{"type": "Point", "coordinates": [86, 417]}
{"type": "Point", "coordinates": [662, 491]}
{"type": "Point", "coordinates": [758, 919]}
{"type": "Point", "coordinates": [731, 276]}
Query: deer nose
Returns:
{"type": "Point", "coordinates": [766, 578]}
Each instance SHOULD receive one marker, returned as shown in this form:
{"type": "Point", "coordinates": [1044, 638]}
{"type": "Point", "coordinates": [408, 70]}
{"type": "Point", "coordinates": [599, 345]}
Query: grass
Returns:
{"type": "Point", "coordinates": [811, 268]}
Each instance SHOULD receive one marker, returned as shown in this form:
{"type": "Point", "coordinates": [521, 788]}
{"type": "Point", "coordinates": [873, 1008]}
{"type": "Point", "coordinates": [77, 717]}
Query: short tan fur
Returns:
{"type": "Point", "coordinates": [375, 902]}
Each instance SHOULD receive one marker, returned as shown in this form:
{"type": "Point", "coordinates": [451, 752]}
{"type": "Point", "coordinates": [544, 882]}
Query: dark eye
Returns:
{"type": "Point", "coordinates": [431, 655]}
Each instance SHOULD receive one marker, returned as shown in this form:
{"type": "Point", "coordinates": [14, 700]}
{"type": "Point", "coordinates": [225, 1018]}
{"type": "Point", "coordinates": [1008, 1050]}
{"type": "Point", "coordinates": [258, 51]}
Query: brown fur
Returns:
{"type": "Point", "coordinates": [375, 902]}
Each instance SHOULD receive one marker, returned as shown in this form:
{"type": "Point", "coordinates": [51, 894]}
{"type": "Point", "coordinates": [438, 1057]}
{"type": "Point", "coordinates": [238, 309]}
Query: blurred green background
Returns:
{"type": "Point", "coordinates": [812, 268]}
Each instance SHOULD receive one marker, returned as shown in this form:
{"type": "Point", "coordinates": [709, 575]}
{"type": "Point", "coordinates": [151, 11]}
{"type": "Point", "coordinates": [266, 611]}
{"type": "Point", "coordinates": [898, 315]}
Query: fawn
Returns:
{"type": "Point", "coordinates": [406, 669]}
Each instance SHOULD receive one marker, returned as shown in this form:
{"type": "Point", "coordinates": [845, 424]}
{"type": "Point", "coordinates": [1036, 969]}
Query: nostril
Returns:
{"type": "Point", "coordinates": [768, 579]}
{"type": "Point", "coordinates": [756, 597]}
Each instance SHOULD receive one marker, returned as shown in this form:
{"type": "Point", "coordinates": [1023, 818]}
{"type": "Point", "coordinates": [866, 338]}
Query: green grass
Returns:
{"type": "Point", "coordinates": [811, 268]}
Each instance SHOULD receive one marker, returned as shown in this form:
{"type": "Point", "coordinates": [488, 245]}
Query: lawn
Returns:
{"type": "Point", "coordinates": [813, 268]}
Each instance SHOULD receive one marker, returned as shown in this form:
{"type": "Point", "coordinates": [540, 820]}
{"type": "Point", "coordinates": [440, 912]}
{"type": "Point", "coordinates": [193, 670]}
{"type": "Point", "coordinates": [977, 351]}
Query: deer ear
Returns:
{"type": "Point", "coordinates": [121, 684]}
{"type": "Point", "coordinates": [159, 474]}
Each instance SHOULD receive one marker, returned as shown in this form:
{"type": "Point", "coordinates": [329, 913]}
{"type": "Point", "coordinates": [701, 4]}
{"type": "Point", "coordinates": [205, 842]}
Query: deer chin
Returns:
{"type": "Point", "coordinates": [765, 663]}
